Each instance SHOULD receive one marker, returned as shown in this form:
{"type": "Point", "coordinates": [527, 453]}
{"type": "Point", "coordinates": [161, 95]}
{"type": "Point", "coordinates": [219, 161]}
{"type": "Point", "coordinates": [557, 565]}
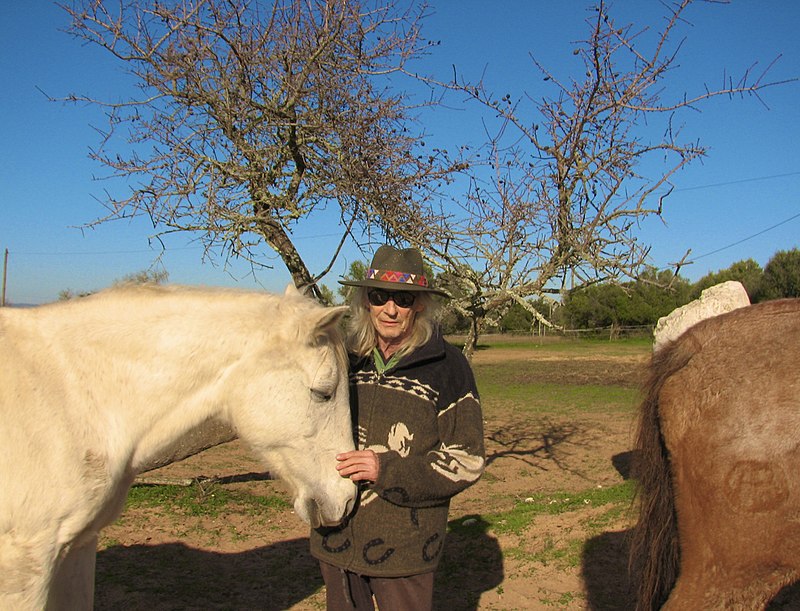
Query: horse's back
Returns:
{"type": "Point", "coordinates": [740, 363]}
{"type": "Point", "coordinates": [730, 418]}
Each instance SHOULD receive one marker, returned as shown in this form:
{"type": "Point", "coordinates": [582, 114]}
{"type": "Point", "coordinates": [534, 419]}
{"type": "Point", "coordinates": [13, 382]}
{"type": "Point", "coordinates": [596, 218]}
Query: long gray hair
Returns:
{"type": "Point", "coordinates": [361, 335]}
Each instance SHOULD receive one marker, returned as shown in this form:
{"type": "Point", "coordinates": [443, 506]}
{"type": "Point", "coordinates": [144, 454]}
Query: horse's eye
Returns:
{"type": "Point", "coordinates": [320, 396]}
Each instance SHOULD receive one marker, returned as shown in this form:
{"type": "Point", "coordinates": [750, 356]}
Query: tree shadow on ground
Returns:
{"type": "Point", "coordinates": [529, 441]}
{"type": "Point", "coordinates": [174, 576]}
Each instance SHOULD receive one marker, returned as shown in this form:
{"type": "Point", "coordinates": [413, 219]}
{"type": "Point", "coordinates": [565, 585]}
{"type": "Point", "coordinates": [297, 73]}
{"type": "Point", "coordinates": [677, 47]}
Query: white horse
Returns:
{"type": "Point", "coordinates": [92, 389]}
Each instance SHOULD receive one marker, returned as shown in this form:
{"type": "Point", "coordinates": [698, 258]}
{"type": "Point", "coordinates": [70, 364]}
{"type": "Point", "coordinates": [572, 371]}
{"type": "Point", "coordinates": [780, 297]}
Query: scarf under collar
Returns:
{"type": "Point", "coordinates": [382, 366]}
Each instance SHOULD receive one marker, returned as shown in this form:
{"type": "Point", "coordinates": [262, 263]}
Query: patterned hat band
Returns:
{"type": "Point", "coordinates": [384, 272]}
{"type": "Point", "coordinates": [386, 275]}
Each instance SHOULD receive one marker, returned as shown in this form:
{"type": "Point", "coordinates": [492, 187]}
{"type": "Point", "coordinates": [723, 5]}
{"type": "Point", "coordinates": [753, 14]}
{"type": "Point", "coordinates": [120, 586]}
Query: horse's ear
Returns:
{"type": "Point", "coordinates": [325, 318]}
{"type": "Point", "coordinates": [303, 291]}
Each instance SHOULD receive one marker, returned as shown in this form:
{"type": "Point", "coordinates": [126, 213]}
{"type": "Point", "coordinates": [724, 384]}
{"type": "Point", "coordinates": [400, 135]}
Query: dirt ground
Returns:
{"type": "Point", "coordinates": [259, 560]}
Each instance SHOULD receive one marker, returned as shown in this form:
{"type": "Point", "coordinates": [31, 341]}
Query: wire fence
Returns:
{"type": "Point", "coordinates": [612, 332]}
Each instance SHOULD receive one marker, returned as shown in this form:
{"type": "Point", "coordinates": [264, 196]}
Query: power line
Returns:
{"type": "Point", "coordinates": [93, 253]}
{"type": "Point", "coordinates": [737, 182]}
{"type": "Point", "coordinates": [318, 236]}
{"type": "Point", "coordinates": [750, 237]}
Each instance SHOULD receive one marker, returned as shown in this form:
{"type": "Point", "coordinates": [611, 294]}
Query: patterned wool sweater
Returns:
{"type": "Point", "coordinates": [423, 418]}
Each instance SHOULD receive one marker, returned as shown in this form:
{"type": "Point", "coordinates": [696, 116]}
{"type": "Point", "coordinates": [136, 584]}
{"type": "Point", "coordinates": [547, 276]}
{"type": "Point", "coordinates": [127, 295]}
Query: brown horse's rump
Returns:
{"type": "Point", "coordinates": [719, 463]}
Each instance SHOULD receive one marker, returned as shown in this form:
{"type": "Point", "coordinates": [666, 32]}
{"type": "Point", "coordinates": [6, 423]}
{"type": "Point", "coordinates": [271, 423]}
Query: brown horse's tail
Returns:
{"type": "Point", "coordinates": [655, 554]}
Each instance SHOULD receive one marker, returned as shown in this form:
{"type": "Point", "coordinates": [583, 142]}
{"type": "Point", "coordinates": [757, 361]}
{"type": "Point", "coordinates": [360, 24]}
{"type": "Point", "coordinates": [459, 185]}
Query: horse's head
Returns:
{"type": "Point", "coordinates": [296, 414]}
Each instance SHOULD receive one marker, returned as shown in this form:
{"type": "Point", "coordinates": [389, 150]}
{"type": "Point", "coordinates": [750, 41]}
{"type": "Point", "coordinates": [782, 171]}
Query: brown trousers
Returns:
{"type": "Point", "coordinates": [346, 591]}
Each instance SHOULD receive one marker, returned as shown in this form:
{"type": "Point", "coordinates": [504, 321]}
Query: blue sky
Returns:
{"type": "Point", "coordinates": [740, 202]}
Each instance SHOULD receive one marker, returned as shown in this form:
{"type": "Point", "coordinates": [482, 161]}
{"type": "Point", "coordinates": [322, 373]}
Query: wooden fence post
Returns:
{"type": "Point", "coordinates": [5, 270]}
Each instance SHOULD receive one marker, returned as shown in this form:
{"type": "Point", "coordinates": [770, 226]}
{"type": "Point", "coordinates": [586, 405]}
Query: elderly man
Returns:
{"type": "Point", "coordinates": [420, 442]}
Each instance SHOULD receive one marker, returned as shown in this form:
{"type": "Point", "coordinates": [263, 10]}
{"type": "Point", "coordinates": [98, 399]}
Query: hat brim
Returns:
{"type": "Point", "coordinates": [394, 286]}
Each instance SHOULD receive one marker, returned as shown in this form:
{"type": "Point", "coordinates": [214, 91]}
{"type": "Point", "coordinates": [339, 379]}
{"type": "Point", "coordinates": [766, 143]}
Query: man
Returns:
{"type": "Point", "coordinates": [420, 442]}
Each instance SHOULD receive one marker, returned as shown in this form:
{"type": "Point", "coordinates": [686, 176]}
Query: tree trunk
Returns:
{"type": "Point", "coordinates": [279, 241]}
{"type": "Point", "coordinates": [471, 343]}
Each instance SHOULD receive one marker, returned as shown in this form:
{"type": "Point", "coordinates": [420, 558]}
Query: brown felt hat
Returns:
{"type": "Point", "coordinates": [396, 269]}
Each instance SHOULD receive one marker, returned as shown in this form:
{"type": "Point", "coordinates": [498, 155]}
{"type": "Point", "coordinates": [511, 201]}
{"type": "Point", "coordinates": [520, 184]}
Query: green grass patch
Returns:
{"type": "Point", "coordinates": [566, 600]}
{"type": "Point", "coordinates": [615, 502]}
{"type": "Point", "coordinates": [566, 346]}
{"type": "Point", "coordinates": [524, 512]}
{"type": "Point", "coordinates": [560, 384]}
{"type": "Point", "coordinates": [538, 398]}
{"type": "Point", "coordinates": [201, 500]}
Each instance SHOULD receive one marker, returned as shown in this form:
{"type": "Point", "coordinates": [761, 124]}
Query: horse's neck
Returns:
{"type": "Point", "coordinates": [180, 404]}
{"type": "Point", "coordinates": [160, 443]}
{"type": "Point", "coordinates": [140, 374]}
{"type": "Point", "coordinates": [148, 396]}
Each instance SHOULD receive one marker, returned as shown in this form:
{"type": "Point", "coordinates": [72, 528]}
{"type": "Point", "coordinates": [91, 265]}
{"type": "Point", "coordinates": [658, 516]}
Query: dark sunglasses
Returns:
{"type": "Point", "coordinates": [402, 299]}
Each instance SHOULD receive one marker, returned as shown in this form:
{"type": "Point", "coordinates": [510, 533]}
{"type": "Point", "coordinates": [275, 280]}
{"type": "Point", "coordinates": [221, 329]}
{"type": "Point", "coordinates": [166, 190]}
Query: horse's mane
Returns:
{"type": "Point", "coordinates": [283, 308]}
{"type": "Point", "coordinates": [151, 289]}
{"type": "Point", "coordinates": [286, 313]}
{"type": "Point", "coordinates": [144, 291]}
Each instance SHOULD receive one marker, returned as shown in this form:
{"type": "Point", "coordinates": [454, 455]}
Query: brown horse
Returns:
{"type": "Point", "coordinates": [718, 463]}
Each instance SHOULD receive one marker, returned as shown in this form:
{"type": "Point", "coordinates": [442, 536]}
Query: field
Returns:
{"type": "Point", "coordinates": [545, 528]}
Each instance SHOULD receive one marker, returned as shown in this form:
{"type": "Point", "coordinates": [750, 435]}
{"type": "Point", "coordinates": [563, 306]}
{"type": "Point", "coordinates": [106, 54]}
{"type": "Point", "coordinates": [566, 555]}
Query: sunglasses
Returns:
{"type": "Point", "coordinates": [402, 299]}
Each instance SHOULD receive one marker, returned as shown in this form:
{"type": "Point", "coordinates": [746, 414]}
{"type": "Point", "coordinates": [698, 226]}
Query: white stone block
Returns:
{"type": "Point", "coordinates": [713, 301]}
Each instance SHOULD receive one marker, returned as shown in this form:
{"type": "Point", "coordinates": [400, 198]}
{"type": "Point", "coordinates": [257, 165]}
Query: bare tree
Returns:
{"type": "Point", "coordinates": [557, 204]}
{"type": "Point", "coordinates": [253, 115]}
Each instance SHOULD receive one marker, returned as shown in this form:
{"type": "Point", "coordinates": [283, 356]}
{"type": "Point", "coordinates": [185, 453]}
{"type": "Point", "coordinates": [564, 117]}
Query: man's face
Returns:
{"type": "Point", "coordinates": [393, 324]}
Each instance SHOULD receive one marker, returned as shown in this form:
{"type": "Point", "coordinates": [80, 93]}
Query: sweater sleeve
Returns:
{"type": "Point", "coordinates": [432, 478]}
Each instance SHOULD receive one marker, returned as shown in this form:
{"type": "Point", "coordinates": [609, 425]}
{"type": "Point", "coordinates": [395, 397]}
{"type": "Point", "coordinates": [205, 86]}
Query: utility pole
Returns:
{"type": "Point", "coordinates": [5, 271]}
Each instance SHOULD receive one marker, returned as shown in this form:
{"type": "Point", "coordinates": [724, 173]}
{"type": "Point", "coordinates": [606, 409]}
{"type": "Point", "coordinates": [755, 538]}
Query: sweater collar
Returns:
{"type": "Point", "coordinates": [432, 350]}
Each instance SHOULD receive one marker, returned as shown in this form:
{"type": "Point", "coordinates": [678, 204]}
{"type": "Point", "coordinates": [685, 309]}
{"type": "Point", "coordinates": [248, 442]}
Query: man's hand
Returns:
{"type": "Point", "coordinates": [358, 465]}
